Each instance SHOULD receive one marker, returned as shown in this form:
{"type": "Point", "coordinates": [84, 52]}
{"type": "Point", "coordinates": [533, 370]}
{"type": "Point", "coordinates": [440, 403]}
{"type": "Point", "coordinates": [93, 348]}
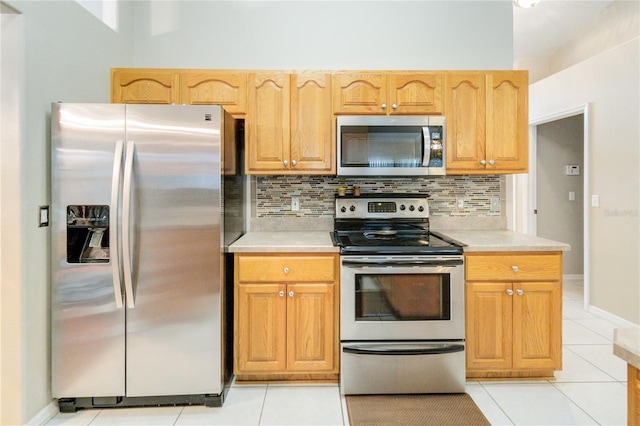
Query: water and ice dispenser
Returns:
{"type": "Point", "coordinates": [88, 234]}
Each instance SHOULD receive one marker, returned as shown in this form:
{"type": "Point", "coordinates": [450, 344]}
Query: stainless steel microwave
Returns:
{"type": "Point", "coordinates": [391, 145]}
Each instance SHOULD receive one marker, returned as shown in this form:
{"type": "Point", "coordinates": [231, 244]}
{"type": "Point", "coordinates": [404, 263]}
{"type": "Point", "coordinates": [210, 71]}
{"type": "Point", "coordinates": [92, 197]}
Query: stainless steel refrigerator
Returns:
{"type": "Point", "coordinates": [140, 276]}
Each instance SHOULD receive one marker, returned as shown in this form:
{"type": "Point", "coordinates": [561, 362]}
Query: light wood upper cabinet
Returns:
{"type": "Point", "coordinates": [513, 314]}
{"type": "Point", "coordinates": [487, 122]}
{"type": "Point", "coordinates": [289, 126]}
{"type": "Point", "coordinates": [174, 86]}
{"type": "Point", "coordinates": [508, 121]}
{"type": "Point", "coordinates": [312, 139]}
{"type": "Point", "coordinates": [359, 93]}
{"type": "Point", "coordinates": [465, 125]}
{"type": "Point", "coordinates": [416, 93]}
{"type": "Point", "coordinates": [388, 93]}
{"type": "Point", "coordinates": [285, 316]}
{"type": "Point", "coordinates": [267, 123]}
{"type": "Point", "coordinates": [144, 86]}
{"type": "Point", "coordinates": [228, 89]}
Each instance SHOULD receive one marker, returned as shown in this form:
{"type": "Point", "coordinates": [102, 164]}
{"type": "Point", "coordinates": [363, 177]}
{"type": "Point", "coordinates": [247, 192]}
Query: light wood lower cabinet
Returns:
{"type": "Point", "coordinates": [513, 314]}
{"type": "Point", "coordinates": [285, 317]}
{"type": "Point", "coordinates": [633, 396]}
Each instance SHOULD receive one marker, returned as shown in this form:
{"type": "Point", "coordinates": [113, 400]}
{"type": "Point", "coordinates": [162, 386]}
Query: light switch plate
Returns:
{"type": "Point", "coordinates": [595, 201]}
{"type": "Point", "coordinates": [295, 204]}
{"type": "Point", "coordinates": [43, 216]}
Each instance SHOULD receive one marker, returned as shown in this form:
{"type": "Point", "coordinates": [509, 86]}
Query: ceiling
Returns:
{"type": "Point", "coordinates": [541, 30]}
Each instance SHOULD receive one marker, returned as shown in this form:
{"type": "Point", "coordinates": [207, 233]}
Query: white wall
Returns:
{"type": "Point", "coordinates": [66, 56]}
{"type": "Point", "coordinates": [609, 83]}
{"type": "Point", "coordinates": [325, 34]}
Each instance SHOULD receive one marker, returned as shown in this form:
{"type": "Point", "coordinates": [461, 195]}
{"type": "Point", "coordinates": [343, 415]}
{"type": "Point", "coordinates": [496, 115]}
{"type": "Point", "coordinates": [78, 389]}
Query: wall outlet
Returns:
{"type": "Point", "coordinates": [595, 201]}
{"type": "Point", "coordinates": [295, 204]}
{"type": "Point", "coordinates": [460, 202]}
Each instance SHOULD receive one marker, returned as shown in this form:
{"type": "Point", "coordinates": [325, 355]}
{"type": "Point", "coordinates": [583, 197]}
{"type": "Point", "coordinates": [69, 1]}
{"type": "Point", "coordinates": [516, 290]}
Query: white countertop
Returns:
{"type": "Point", "coordinates": [502, 240]}
{"type": "Point", "coordinates": [284, 241]}
{"type": "Point", "coordinates": [626, 345]}
{"type": "Point", "coordinates": [320, 241]}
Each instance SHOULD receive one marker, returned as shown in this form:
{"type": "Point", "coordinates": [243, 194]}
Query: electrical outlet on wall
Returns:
{"type": "Point", "coordinates": [460, 202]}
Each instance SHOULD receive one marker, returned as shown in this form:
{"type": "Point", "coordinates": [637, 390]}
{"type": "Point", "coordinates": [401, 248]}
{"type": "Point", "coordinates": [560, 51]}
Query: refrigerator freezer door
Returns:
{"type": "Point", "coordinates": [173, 331]}
{"type": "Point", "coordinates": [87, 328]}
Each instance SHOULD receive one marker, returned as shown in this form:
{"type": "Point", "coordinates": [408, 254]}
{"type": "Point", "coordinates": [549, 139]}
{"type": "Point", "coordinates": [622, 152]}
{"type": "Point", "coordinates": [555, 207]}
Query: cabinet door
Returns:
{"type": "Point", "coordinates": [267, 124]}
{"type": "Point", "coordinates": [507, 121]}
{"type": "Point", "coordinates": [537, 322]}
{"type": "Point", "coordinates": [488, 326]}
{"type": "Point", "coordinates": [312, 141]}
{"type": "Point", "coordinates": [215, 88]}
{"type": "Point", "coordinates": [310, 327]}
{"type": "Point", "coordinates": [465, 137]}
{"type": "Point", "coordinates": [144, 86]}
{"type": "Point", "coordinates": [360, 93]}
{"type": "Point", "coordinates": [261, 313]}
{"type": "Point", "coordinates": [416, 93]}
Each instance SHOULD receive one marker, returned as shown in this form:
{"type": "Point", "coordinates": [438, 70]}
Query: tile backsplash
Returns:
{"type": "Point", "coordinates": [481, 196]}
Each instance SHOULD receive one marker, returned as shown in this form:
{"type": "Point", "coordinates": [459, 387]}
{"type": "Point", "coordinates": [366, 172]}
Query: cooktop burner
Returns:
{"type": "Point", "coordinates": [388, 224]}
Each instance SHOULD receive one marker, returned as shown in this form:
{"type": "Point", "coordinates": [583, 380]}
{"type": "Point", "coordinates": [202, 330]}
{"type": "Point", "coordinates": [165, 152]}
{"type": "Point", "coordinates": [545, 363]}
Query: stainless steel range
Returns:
{"type": "Point", "coordinates": [402, 298]}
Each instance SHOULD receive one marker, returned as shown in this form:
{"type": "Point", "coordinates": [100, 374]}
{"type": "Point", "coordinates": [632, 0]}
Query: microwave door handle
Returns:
{"type": "Point", "coordinates": [426, 146]}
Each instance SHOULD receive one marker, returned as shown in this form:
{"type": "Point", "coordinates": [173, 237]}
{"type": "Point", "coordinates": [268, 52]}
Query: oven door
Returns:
{"type": "Point", "coordinates": [402, 298]}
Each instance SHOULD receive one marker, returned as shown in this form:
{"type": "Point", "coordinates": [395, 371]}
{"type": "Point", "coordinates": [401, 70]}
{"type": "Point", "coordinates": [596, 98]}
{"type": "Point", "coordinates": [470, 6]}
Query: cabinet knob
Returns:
{"type": "Point", "coordinates": [515, 268]}
{"type": "Point", "coordinates": [384, 106]}
{"type": "Point", "coordinates": [394, 106]}
{"type": "Point", "coordinates": [491, 162]}
{"type": "Point", "coordinates": [291, 293]}
{"type": "Point", "coordinates": [519, 292]}
{"type": "Point", "coordinates": [294, 162]}
{"type": "Point", "coordinates": [483, 162]}
{"type": "Point", "coordinates": [281, 293]}
{"type": "Point", "coordinates": [286, 270]}
{"type": "Point", "coordinates": [285, 162]}
{"type": "Point", "coordinates": [510, 292]}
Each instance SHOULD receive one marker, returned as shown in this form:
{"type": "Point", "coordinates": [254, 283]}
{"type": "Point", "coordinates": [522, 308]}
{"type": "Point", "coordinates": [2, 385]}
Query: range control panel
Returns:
{"type": "Point", "coordinates": [366, 207]}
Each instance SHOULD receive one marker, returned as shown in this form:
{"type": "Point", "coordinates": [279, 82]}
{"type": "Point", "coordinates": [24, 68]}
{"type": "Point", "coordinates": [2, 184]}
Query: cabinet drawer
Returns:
{"type": "Point", "coordinates": [287, 268]}
{"type": "Point", "coordinates": [513, 267]}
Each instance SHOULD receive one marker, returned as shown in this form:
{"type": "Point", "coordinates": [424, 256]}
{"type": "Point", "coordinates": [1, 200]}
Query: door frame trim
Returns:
{"type": "Point", "coordinates": [523, 187]}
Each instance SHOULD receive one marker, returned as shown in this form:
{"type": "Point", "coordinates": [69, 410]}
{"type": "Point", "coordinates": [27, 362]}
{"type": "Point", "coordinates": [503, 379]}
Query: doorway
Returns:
{"type": "Point", "coordinates": [558, 188]}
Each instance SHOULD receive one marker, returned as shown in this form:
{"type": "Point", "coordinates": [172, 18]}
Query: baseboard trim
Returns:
{"type": "Point", "coordinates": [573, 277]}
{"type": "Point", "coordinates": [623, 323]}
{"type": "Point", "coordinates": [46, 414]}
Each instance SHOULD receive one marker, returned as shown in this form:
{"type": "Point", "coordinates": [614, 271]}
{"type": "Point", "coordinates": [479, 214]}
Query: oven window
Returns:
{"type": "Point", "coordinates": [403, 297]}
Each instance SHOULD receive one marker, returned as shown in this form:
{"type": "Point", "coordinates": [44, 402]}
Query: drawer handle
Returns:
{"type": "Point", "coordinates": [515, 268]}
{"type": "Point", "coordinates": [286, 270]}
{"type": "Point", "coordinates": [520, 292]}
{"type": "Point", "coordinates": [281, 293]}
{"type": "Point", "coordinates": [510, 292]}
{"type": "Point", "coordinates": [291, 293]}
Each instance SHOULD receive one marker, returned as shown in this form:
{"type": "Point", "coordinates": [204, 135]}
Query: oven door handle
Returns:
{"type": "Point", "coordinates": [386, 262]}
{"type": "Point", "coordinates": [428, 349]}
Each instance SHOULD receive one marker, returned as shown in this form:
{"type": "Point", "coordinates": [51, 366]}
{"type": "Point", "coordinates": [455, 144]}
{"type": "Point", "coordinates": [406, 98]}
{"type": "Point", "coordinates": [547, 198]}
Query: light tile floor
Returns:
{"type": "Point", "coordinates": [590, 390]}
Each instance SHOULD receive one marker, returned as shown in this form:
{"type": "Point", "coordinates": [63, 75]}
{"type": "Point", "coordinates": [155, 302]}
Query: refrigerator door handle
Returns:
{"type": "Point", "coordinates": [126, 222]}
{"type": "Point", "coordinates": [113, 224]}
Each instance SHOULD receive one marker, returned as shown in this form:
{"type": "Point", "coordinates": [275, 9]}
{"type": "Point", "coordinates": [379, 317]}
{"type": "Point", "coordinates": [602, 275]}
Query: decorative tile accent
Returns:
{"type": "Point", "coordinates": [482, 195]}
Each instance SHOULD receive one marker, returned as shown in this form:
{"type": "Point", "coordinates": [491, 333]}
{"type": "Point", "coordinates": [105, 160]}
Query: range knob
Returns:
{"type": "Point", "coordinates": [402, 207]}
{"type": "Point", "coordinates": [343, 209]}
{"type": "Point", "coordinates": [421, 209]}
{"type": "Point", "coordinates": [411, 208]}
{"type": "Point", "coordinates": [352, 208]}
